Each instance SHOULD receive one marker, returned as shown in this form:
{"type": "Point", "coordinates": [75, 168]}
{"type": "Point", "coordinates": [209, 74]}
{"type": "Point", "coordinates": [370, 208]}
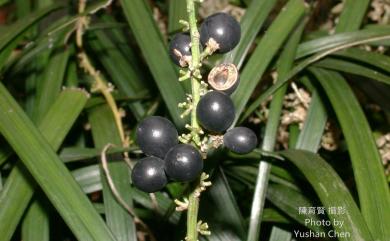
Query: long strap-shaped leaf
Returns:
{"type": "Point", "coordinates": [339, 39]}
{"type": "Point", "coordinates": [50, 173]}
{"type": "Point", "coordinates": [374, 196]}
{"type": "Point", "coordinates": [20, 185]}
{"type": "Point", "coordinates": [352, 15]}
{"type": "Point", "coordinates": [19, 27]}
{"type": "Point", "coordinates": [284, 65]}
{"type": "Point", "coordinates": [353, 68]}
{"type": "Point", "coordinates": [124, 75]}
{"type": "Point", "coordinates": [156, 55]}
{"type": "Point", "coordinates": [229, 224]}
{"type": "Point", "coordinates": [251, 23]}
{"type": "Point", "coordinates": [118, 220]}
{"type": "Point", "coordinates": [177, 11]}
{"type": "Point", "coordinates": [332, 193]}
{"type": "Point", "coordinates": [288, 199]}
{"type": "Point", "coordinates": [310, 137]}
{"type": "Point", "coordinates": [337, 46]}
{"type": "Point", "coordinates": [278, 234]}
{"type": "Point", "coordinates": [371, 58]}
{"type": "Point", "coordinates": [265, 52]}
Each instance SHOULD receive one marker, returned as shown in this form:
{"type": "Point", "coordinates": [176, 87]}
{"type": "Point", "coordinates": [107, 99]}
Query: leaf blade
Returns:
{"type": "Point", "coordinates": [266, 50]}
{"type": "Point", "coordinates": [151, 44]}
{"type": "Point", "coordinates": [331, 191]}
{"type": "Point", "coordinates": [367, 165]}
{"type": "Point", "coordinates": [251, 23]}
{"type": "Point", "coordinates": [44, 164]}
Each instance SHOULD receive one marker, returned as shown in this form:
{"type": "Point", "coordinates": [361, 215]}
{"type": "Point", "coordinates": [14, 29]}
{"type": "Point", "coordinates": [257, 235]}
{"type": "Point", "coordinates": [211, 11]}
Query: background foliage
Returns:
{"type": "Point", "coordinates": [325, 139]}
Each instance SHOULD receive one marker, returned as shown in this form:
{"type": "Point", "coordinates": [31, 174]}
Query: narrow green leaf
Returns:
{"type": "Point", "coordinates": [226, 225]}
{"type": "Point", "coordinates": [121, 41]}
{"type": "Point", "coordinates": [310, 136]}
{"type": "Point", "coordinates": [70, 154]}
{"type": "Point", "coordinates": [337, 46]}
{"type": "Point", "coordinates": [285, 63]}
{"type": "Point", "coordinates": [352, 15]}
{"type": "Point", "coordinates": [49, 86]}
{"type": "Point", "coordinates": [265, 52]}
{"type": "Point", "coordinates": [35, 226]}
{"type": "Point", "coordinates": [104, 131]}
{"type": "Point", "coordinates": [340, 39]}
{"type": "Point", "coordinates": [88, 178]}
{"type": "Point", "coordinates": [22, 8]}
{"type": "Point", "coordinates": [156, 55]}
{"type": "Point", "coordinates": [289, 200]}
{"type": "Point", "coordinates": [14, 198]}
{"type": "Point", "coordinates": [177, 11]}
{"type": "Point", "coordinates": [20, 186]}
{"type": "Point", "coordinates": [251, 23]}
{"type": "Point", "coordinates": [274, 216]}
{"type": "Point", "coordinates": [121, 72]}
{"type": "Point", "coordinates": [368, 57]}
{"type": "Point", "coordinates": [278, 234]}
{"type": "Point", "coordinates": [374, 196]}
{"type": "Point", "coordinates": [352, 68]}
{"type": "Point", "coordinates": [332, 192]}
{"type": "Point", "coordinates": [20, 26]}
{"type": "Point", "coordinates": [50, 173]}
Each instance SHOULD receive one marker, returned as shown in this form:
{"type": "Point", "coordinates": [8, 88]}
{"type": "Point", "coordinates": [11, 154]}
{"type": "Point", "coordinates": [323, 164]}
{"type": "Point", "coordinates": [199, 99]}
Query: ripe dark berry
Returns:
{"type": "Point", "coordinates": [183, 163]}
{"type": "Point", "coordinates": [215, 111]}
{"type": "Point", "coordinates": [240, 140]}
{"type": "Point", "coordinates": [148, 174]}
{"type": "Point", "coordinates": [156, 135]}
{"type": "Point", "coordinates": [224, 77]}
{"type": "Point", "coordinates": [180, 49]}
{"type": "Point", "coordinates": [223, 28]}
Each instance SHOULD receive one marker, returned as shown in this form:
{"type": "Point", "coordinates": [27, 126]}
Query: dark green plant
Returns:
{"type": "Point", "coordinates": [77, 77]}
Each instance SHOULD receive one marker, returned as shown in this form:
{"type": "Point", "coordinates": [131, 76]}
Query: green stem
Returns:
{"type": "Point", "coordinates": [193, 206]}
{"type": "Point", "coordinates": [195, 61]}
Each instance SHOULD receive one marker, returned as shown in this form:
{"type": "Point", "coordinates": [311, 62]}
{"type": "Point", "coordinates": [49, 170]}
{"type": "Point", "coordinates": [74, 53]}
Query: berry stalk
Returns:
{"type": "Point", "coordinates": [193, 205]}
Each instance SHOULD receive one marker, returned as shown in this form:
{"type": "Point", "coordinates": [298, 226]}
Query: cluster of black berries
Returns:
{"type": "Point", "coordinates": [157, 136]}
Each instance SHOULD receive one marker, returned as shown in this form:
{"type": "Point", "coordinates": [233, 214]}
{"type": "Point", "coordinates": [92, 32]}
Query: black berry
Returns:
{"type": "Point", "coordinates": [180, 49]}
{"type": "Point", "coordinates": [224, 77]}
{"type": "Point", "coordinates": [240, 140]}
{"type": "Point", "coordinates": [183, 163]}
{"type": "Point", "coordinates": [215, 111]}
{"type": "Point", "coordinates": [156, 135]}
{"type": "Point", "coordinates": [148, 174]}
{"type": "Point", "coordinates": [223, 28]}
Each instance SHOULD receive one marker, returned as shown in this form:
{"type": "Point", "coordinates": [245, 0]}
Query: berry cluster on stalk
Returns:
{"type": "Point", "coordinates": [158, 138]}
{"type": "Point", "coordinates": [215, 111]}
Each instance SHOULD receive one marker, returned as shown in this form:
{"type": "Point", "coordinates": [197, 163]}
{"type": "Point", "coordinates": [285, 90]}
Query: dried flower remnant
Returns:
{"type": "Point", "coordinates": [383, 143]}
{"type": "Point", "coordinates": [331, 138]}
{"type": "Point", "coordinates": [295, 107]}
{"type": "Point", "coordinates": [380, 11]}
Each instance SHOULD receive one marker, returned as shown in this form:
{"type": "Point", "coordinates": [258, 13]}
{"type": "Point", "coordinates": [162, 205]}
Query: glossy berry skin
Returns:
{"type": "Point", "coordinates": [223, 28]}
{"type": "Point", "coordinates": [179, 48]}
{"type": "Point", "coordinates": [215, 111]}
{"type": "Point", "coordinates": [183, 163]}
{"type": "Point", "coordinates": [240, 140]}
{"type": "Point", "coordinates": [148, 174]}
{"type": "Point", "coordinates": [155, 135]}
